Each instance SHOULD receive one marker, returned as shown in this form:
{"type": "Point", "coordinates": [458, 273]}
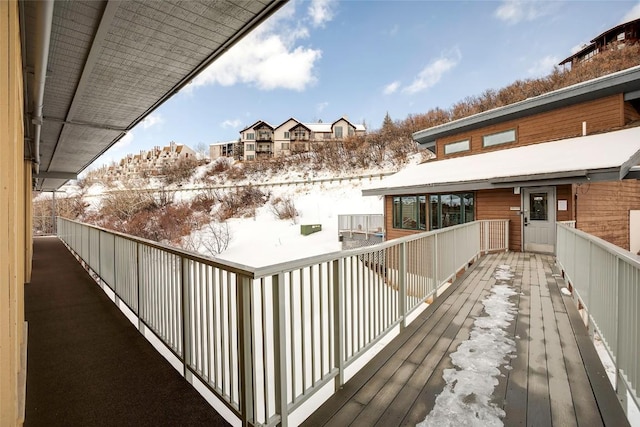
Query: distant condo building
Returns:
{"type": "Point", "coordinates": [262, 140]}
{"type": "Point", "coordinates": [150, 162]}
{"type": "Point", "coordinates": [614, 38]}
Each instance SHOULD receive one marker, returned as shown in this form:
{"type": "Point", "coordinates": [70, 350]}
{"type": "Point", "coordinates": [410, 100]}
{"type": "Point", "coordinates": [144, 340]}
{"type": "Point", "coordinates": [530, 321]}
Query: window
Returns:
{"type": "Point", "coordinates": [251, 157]}
{"type": "Point", "coordinates": [409, 212]}
{"type": "Point", "coordinates": [286, 135]}
{"type": "Point", "coordinates": [451, 209]}
{"type": "Point", "coordinates": [250, 147]}
{"type": "Point", "coordinates": [351, 131]}
{"type": "Point", "coordinates": [285, 145]}
{"type": "Point", "coordinates": [499, 138]}
{"type": "Point", "coordinates": [338, 131]}
{"type": "Point", "coordinates": [456, 147]}
{"type": "Point", "coordinates": [538, 206]}
{"type": "Point", "coordinates": [249, 135]}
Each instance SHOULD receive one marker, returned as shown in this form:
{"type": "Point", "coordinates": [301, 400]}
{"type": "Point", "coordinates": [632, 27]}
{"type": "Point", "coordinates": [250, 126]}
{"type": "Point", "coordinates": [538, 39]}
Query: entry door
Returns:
{"type": "Point", "coordinates": [539, 219]}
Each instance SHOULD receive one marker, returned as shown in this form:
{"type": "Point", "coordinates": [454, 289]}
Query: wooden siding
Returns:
{"type": "Point", "coordinates": [601, 114]}
{"type": "Point", "coordinates": [602, 209]}
{"type": "Point", "coordinates": [565, 192]}
{"type": "Point", "coordinates": [495, 204]}
{"type": "Point", "coordinates": [15, 193]}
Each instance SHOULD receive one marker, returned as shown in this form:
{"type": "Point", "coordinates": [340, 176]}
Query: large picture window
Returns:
{"type": "Point", "coordinates": [451, 209]}
{"type": "Point", "coordinates": [410, 212]}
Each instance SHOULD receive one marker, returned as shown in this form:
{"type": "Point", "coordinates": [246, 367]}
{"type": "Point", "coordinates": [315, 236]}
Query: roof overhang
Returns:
{"type": "Point", "coordinates": [626, 81]}
{"type": "Point", "coordinates": [610, 156]}
{"type": "Point", "coordinates": [95, 69]}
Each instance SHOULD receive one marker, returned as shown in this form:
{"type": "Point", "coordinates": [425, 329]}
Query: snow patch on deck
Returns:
{"type": "Point", "coordinates": [466, 398]}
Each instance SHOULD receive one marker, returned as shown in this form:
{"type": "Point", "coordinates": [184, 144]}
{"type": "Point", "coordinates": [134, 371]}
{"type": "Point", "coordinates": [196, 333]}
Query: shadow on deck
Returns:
{"type": "Point", "coordinates": [87, 364]}
{"type": "Point", "coordinates": [556, 378]}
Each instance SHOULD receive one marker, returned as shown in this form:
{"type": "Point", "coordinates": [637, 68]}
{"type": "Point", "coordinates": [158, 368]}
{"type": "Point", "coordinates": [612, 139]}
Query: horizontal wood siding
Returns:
{"type": "Point", "coordinates": [495, 204]}
{"type": "Point", "coordinates": [630, 113]}
{"type": "Point", "coordinates": [565, 192]}
{"type": "Point", "coordinates": [601, 114]}
{"type": "Point", "coordinates": [603, 209]}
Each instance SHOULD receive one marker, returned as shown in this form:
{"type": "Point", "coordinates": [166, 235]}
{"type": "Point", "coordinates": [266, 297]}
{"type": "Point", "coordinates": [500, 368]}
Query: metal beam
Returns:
{"type": "Point", "coordinates": [56, 175]}
{"type": "Point", "coordinates": [96, 48]}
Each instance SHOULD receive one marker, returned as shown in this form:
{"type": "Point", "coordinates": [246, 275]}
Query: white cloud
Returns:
{"type": "Point", "coordinates": [321, 12]}
{"type": "Point", "coordinates": [391, 88]}
{"type": "Point", "coordinates": [514, 11]}
{"type": "Point", "coordinates": [320, 107]}
{"type": "Point", "coordinates": [634, 13]}
{"type": "Point", "coordinates": [231, 123]}
{"type": "Point", "coordinates": [271, 57]}
{"type": "Point", "coordinates": [433, 72]}
{"type": "Point", "coordinates": [543, 66]}
{"type": "Point", "coordinates": [152, 120]}
{"type": "Point", "coordinates": [125, 141]}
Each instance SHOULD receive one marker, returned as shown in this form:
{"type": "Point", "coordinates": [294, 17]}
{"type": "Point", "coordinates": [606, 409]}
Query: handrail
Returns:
{"type": "Point", "coordinates": [605, 280]}
{"type": "Point", "coordinates": [265, 340]}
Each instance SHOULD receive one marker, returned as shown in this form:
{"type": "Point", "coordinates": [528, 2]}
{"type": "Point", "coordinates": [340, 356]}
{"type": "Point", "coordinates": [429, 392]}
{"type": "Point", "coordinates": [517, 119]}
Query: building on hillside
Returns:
{"type": "Point", "coordinates": [222, 149]}
{"type": "Point", "coordinates": [151, 162]}
{"type": "Point", "coordinates": [567, 155]}
{"type": "Point", "coordinates": [263, 140]}
{"type": "Point", "coordinates": [614, 38]}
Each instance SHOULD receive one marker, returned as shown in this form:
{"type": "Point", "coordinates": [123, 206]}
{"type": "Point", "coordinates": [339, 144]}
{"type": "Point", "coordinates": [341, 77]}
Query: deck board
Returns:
{"type": "Point", "coordinates": [552, 379]}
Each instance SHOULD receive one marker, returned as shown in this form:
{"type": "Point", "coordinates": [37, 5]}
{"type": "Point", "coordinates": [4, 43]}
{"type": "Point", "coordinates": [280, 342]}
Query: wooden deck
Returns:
{"type": "Point", "coordinates": [556, 378]}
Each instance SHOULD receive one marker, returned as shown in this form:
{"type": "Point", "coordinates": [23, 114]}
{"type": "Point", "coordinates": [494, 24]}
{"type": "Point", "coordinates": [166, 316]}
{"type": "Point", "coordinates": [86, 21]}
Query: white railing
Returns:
{"type": "Point", "coordinates": [571, 224]}
{"type": "Point", "coordinates": [494, 235]}
{"type": "Point", "coordinates": [606, 281]}
{"type": "Point", "coordinates": [363, 224]}
{"type": "Point", "coordinates": [265, 340]}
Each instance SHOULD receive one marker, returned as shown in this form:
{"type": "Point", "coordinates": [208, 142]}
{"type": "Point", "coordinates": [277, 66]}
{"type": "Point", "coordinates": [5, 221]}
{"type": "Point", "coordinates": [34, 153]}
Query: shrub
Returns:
{"type": "Point", "coordinates": [240, 202]}
{"type": "Point", "coordinates": [284, 208]}
{"type": "Point", "coordinates": [179, 171]}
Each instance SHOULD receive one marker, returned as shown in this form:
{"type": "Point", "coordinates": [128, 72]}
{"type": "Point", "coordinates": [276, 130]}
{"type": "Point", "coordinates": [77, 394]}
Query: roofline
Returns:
{"type": "Point", "coordinates": [534, 180]}
{"type": "Point", "coordinates": [289, 119]}
{"type": "Point", "coordinates": [620, 82]}
{"type": "Point", "coordinates": [612, 29]}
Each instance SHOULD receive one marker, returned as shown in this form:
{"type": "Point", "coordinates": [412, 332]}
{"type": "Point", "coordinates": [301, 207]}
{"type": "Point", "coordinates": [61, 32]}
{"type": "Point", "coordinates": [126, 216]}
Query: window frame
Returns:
{"type": "Point", "coordinates": [465, 209]}
{"type": "Point", "coordinates": [456, 149]}
{"type": "Point", "coordinates": [504, 132]}
{"type": "Point", "coordinates": [419, 214]}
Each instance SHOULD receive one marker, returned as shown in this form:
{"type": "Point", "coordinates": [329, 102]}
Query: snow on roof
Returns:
{"type": "Point", "coordinates": [573, 157]}
{"type": "Point", "coordinates": [319, 127]}
{"type": "Point", "coordinates": [360, 127]}
{"type": "Point", "coordinates": [223, 142]}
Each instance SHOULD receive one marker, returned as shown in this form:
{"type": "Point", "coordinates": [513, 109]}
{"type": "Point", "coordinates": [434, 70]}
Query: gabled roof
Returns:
{"type": "Point", "coordinates": [600, 157]}
{"type": "Point", "coordinates": [251, 127]}
{"type": "Point", "coordinates": [356, 127]}
{"type": "Point", "coordinates": [263, 123]}
{"type": "Point", "coordinates": [626, 82]}
{"type": "Point", "coordinates": [286, 121]}
{"type": "Point", "coordinates": [300, 125]}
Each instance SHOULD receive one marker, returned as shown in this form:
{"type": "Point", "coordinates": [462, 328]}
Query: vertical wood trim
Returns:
{"type": "Point", "coordinates": [13, 199]}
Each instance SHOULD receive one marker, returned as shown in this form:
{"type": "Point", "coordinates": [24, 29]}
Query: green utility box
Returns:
{"type": "Point", "coordinates": [307, 229]}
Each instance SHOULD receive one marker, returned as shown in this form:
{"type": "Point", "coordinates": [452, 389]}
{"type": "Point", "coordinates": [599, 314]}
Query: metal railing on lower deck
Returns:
{"type": "Point", "coordinates": [265, 340]}
{"type": "Point", "coordinates": [606, 281]}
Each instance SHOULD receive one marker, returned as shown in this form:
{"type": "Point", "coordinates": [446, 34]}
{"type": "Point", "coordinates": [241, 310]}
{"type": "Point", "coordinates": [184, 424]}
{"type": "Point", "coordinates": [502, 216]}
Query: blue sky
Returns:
{"type": "Point", "coordinates": [324, 59]}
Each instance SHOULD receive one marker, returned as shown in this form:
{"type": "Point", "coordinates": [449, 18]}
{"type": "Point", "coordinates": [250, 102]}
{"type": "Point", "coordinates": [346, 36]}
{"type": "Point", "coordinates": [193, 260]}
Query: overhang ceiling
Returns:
{"type": "Point", "coordinates": [111, 63]}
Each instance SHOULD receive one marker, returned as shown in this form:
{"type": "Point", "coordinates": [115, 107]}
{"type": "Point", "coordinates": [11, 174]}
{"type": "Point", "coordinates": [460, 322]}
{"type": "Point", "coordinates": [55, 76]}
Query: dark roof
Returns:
{"type": "Point", "coordinates": [626, 82]}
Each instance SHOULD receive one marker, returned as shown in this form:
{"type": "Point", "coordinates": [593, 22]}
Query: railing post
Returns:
{"type": "Point", "coordinates": [185, 286]}
{"type": "Point", "coordinates": [621, 387]}
{"type": "Point", "coordinates": [338, 322]}
{"type": "Point", "coordinates": [506, 235]}
{"type": "Point", "coordinates": [436, 279]}
{"type": "Point", "coordinates": [280, 349]}
{"type": "Point", "coordinates": [402, 285]}
{"type": "Point", "coordinates": [245, 348]}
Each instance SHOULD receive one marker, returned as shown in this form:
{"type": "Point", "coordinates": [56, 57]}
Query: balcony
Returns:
{"type": "Point", "coordinates": [262, 344]}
